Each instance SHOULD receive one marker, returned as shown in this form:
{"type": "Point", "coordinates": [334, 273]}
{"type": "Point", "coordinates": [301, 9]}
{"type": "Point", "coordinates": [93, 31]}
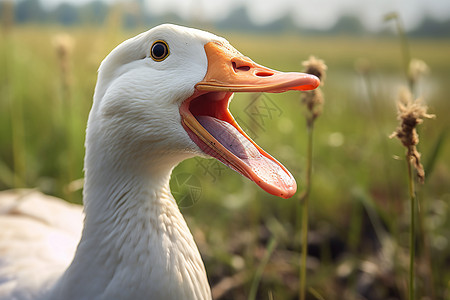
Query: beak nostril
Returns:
{"type": "Point", "coordinates": [264, 74]}
{"type": "Point", "coordinates": [243, 68]}
{"type": "Point", "coordinates": [240, 68]}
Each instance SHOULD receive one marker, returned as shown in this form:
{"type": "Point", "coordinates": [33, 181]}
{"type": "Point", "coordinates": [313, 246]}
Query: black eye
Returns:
{"type": "Point", "coordinates": [159, 51]}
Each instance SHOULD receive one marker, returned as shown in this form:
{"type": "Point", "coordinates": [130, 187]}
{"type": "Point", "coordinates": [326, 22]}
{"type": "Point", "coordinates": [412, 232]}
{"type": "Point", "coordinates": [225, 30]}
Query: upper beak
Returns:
{"type": "Point", "coordinates": [209, 123]}
{"type": "Point", "coordinates": [228, 70]}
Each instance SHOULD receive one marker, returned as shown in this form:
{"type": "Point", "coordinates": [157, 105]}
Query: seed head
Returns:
{"type": "Point", "coordinates": [316, 67]}
{"type": "Point", "coordinates": [314, 100]}
{"type": "Point", "coordinates": [417, 69]}
{"type": "Point", "coordinates": [63, 44]}
{"type": "Point", "coordinates": [410, 114]}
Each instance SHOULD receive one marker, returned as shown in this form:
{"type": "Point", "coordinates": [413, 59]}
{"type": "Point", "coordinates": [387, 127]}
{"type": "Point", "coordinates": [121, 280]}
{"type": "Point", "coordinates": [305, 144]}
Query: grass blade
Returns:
{"type": "Point", "coordinates": [257, 279]}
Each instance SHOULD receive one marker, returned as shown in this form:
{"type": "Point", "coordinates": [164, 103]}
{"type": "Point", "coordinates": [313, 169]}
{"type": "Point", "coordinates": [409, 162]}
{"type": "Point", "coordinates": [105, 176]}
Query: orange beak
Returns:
{"type": "Point", "coordinates": [209, 123]}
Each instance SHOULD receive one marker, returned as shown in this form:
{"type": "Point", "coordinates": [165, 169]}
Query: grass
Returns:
{"type": "Point", "coordinates": [358, 184]}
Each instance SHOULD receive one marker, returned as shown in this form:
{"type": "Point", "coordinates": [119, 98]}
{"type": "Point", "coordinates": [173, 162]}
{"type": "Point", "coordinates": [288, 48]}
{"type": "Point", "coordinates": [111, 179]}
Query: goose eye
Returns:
{"type": "Point", "coordinates": [159, 51]}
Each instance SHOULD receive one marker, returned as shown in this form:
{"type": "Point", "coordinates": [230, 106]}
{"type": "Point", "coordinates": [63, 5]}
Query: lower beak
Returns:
{"type": "Point", "coordinates": [207, 120]}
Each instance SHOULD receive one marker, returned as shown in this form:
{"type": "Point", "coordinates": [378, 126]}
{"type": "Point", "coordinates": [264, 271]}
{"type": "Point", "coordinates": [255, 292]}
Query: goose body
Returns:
{"type": "Point", "coordinates": [161, 97]}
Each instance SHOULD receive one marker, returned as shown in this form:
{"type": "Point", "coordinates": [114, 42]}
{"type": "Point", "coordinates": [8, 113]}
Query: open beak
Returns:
{"type": "Point", "coordinates": [209, 123]}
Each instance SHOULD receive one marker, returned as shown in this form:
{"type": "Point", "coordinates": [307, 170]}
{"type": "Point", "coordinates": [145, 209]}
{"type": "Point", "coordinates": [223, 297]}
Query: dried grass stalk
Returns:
{"type": "Point", "coordinates": [314, 100]}
{"type": "Point", "coordinates": [410, 114]}
{"type": "Point", "coordinates": [64, 44]}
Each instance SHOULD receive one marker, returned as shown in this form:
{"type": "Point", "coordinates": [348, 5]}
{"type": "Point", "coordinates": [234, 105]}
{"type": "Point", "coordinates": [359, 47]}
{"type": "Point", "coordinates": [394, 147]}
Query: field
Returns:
{"type": "Point", "coordinates": [359, 205]}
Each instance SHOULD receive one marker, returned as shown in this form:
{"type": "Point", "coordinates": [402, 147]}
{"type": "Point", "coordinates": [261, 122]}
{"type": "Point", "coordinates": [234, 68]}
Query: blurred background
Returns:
{"type": "Point", "coordinates": [359, 207]}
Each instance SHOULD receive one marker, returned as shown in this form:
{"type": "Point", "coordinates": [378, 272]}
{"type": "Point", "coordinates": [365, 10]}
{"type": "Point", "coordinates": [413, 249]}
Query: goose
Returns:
{"type": "Point", "coordinates": [161, 97]}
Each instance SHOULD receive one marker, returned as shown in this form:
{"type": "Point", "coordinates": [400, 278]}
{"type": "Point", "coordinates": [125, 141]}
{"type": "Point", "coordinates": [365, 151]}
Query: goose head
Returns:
{"type": "Point", "coordinates": [163, 96]}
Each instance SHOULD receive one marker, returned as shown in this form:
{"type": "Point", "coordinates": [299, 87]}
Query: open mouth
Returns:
{"type": "Point", "coordinates": [209, 123]}
{"type": "Point", "coordinates": [211, 126]}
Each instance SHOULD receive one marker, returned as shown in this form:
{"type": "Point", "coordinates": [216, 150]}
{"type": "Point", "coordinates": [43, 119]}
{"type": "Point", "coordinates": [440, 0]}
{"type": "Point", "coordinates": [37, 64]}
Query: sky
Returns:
{"type": "Point", "coordinates": [319, 14]}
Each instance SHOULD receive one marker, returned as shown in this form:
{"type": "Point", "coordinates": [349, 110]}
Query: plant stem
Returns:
{"type": "Point", "coordinates": [259, 272]}
{"type": "Point", "coordinates": [412, 232]}
{"type": "Point", "coordinates": [305, 211]}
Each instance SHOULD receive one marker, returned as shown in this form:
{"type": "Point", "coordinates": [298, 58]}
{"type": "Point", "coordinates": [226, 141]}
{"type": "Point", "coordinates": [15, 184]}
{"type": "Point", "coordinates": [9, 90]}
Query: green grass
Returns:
{"type": "Point", "coordinates": [358, 191]}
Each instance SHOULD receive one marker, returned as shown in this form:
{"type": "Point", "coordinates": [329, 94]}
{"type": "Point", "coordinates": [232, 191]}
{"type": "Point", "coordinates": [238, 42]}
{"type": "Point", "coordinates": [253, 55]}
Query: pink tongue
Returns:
{"type": "Point", "coordinates": [264, 171]}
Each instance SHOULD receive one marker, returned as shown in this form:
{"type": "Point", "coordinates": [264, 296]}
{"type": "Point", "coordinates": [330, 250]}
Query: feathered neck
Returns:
{"type": "Point", "coordinates": [135, 242]}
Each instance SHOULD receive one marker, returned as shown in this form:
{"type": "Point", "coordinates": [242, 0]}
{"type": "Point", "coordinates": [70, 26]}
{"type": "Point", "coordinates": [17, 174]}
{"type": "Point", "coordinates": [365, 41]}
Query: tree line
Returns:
{"type": "Point", "coordinates": [133, 14]}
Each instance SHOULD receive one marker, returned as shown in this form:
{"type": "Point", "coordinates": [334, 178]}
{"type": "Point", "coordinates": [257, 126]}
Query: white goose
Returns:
{"type": "Point", "coordinates": [161, 97]}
